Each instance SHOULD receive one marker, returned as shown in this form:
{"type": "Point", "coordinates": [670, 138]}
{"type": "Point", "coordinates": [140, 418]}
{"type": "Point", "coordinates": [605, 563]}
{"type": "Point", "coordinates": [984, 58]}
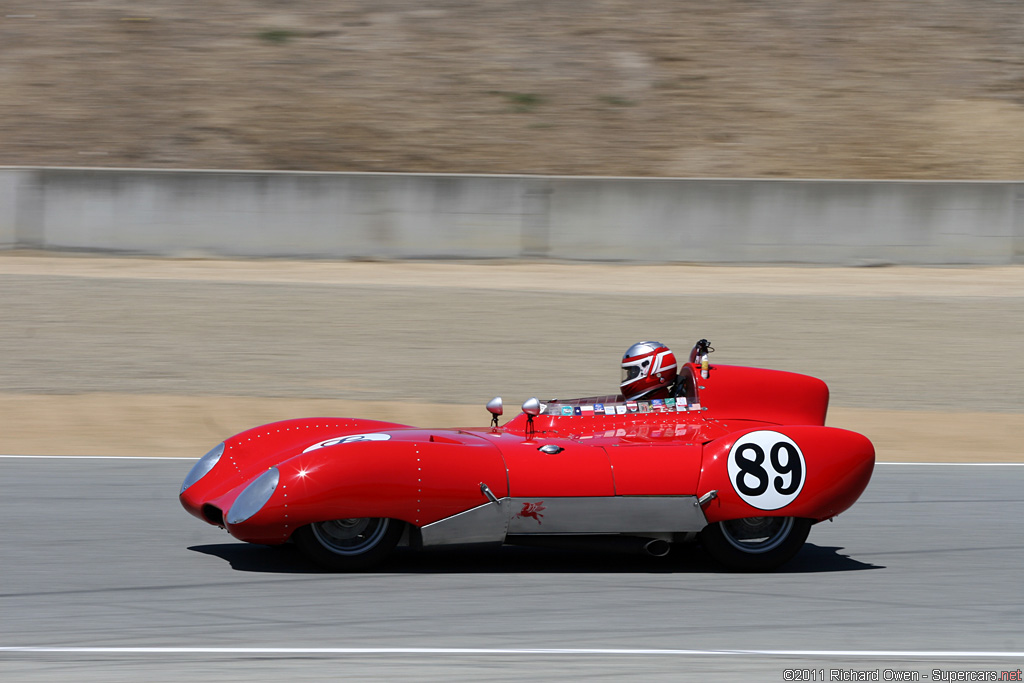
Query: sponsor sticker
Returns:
{"type": "Point", "coordinates": [645, 407]}
{"type": "Point", "coordinates": [566, 410]}
{"type": "Point", "coordinates": [631, 406]}
{"type": "Point", "coordinates": [658, 405]}
{"type": "Point", "coordinates": [609, 409]}
{"type": "Point", "coordinates": [620, 409]}
{"type": "Point", "coordinates": [670, 403]}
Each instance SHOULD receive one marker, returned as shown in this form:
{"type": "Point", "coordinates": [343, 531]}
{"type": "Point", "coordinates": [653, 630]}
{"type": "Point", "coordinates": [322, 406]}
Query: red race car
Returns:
{"type": "Point", "coordinates": [735, 457]}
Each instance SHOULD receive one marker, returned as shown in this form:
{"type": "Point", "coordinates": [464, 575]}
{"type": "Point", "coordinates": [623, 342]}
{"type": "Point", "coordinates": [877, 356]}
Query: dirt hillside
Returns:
{"type": "Point", "coordinates": [803, 88]}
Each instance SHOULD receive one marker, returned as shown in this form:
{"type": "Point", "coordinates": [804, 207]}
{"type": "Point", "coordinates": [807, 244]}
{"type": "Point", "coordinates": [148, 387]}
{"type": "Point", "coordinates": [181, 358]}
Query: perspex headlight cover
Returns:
{"type": "Point", "coordinates": [204, 465]}
{"type": "Point", "coordinates": [254, 497]}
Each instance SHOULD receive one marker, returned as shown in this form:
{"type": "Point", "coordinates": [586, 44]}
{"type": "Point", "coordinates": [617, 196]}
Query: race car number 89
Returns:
{"type": "Point", "coordinates": [766, 469]}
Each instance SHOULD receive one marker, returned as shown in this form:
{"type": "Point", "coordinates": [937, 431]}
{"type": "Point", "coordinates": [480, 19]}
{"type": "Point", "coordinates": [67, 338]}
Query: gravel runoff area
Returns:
{"type": "Point", "coordinates": [130, 356]}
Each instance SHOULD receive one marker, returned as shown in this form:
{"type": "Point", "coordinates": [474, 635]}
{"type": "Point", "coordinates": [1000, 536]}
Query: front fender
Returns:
{"type": "Point", "coordinates": [791, 471]}
{"type": "Point", "coordinates": [249, 453]}
{"type": "Point", "coordinates": [413, 478]}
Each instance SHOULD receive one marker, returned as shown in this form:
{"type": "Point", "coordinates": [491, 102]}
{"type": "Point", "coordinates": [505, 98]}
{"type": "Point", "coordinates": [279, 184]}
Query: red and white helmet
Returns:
{"type": "Point", "coordinates": [646, 367]}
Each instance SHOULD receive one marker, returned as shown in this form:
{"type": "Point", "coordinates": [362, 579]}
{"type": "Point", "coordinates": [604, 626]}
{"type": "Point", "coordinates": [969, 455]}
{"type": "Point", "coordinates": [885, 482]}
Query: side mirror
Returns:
{"type": "Point", "coordinates": [531, 407]}
{"type": "Point", "coordinates": [494, 406]}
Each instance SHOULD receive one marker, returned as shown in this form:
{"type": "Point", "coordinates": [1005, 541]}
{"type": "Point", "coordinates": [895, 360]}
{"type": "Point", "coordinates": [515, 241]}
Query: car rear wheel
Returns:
{"type": "Point", "coordinates": [348, 544]}
{"type": "Point", "coordinates": [755, 543]}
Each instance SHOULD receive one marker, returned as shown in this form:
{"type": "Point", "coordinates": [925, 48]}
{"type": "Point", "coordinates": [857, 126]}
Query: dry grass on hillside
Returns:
{"type": "Point", "coordinates": [804, 88]}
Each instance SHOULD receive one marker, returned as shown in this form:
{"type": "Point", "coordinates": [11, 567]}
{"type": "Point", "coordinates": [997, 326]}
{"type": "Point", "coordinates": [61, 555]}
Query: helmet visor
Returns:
{"type": "Point", "coordinates": [630, 373]}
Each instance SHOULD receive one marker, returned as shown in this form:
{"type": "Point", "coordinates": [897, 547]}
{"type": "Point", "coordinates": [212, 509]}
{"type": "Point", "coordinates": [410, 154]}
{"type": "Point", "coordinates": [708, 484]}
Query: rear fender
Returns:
{"type": "Point", "coordinates": [733, 391]}
{"type": "Point", "coordinates": [787, 471]}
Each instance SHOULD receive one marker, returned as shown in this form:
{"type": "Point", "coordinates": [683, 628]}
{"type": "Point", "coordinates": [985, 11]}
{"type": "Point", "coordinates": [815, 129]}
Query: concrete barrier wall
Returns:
{"type": "Point", "coordinates": [10, 199]}
{"type": "Point", "coordinates": [341, 215]}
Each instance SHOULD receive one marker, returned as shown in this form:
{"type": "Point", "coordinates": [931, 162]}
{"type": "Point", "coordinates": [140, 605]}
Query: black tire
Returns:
{"type": "Point", "coordinates": [349, 544]}
{"type": "Point", "coordinates": [755, 544]}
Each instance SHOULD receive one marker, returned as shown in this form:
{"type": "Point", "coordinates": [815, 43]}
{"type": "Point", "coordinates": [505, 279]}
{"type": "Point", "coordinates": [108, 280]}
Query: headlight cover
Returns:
{"type": "Point", "coordinates": [254, 497]}
{"type": "Point", "coordinates": [204, 465]}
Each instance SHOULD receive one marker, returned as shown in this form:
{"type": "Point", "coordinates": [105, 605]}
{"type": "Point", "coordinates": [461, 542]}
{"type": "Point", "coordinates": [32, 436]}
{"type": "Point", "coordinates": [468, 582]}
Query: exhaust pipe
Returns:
{"type": "Point", "coordinates": [657, 547]}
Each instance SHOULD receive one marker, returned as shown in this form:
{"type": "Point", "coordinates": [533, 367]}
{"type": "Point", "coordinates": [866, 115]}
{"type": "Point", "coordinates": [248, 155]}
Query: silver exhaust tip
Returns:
{"type": "Point", "coordinates": [657, 547]}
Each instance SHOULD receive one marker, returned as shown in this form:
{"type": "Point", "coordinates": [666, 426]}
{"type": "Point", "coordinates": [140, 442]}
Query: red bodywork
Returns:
{"type": "Point", "coordinates": [768, 426]}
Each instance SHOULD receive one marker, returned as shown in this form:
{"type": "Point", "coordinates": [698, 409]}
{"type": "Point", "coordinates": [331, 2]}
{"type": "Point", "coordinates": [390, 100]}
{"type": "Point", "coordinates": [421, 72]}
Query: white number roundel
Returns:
{"type": "Point", "coordinates": [348, 439]}
{"type": "Point", "coordinates": [766, 469]}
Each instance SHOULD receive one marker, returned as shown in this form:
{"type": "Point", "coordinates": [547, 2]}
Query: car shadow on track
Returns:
{"type": "Point", "coordinates": [818, 559]}
{"type": "Point", "coordinates": [287, 559]}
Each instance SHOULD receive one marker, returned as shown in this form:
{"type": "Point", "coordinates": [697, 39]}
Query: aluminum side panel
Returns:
{"type": "Point", "coordinates": [605, 515]}
{"type": "Point", "coordinates": [593, 515]}
{"type": "Point", "coordinates": [484, 524]}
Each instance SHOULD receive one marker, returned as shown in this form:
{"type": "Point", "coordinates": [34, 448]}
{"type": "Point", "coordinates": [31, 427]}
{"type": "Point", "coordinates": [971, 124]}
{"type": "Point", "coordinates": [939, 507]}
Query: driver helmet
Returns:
{"type": "Point", "coordinates": [646, 367]}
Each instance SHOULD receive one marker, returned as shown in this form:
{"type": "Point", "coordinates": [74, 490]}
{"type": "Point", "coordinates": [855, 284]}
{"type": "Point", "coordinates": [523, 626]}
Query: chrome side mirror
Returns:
{"type": "Point", "coordinates": [531, 407]}
{"type": "Point", "coordinates": [495, 408]}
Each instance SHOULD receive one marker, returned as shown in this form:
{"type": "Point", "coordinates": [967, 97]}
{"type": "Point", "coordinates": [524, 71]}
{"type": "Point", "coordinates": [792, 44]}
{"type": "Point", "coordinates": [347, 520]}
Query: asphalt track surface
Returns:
{"type": "Point", "coordinates": [106, 578]}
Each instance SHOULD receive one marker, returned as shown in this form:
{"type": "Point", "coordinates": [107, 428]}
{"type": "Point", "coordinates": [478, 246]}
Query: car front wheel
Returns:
{"type": "Point", "coordinates": [755, 543]}
{"type": "Point", "coordinates": [349, 544]}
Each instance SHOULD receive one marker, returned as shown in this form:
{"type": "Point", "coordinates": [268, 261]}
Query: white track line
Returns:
{"type": "Point", "coordinates": [849, 654]}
